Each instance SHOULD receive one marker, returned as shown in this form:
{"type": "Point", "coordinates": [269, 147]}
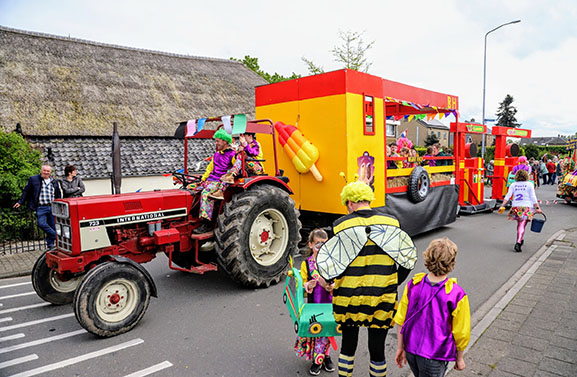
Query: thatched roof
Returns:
{"type": "Point", "coordinates": [64, 86]}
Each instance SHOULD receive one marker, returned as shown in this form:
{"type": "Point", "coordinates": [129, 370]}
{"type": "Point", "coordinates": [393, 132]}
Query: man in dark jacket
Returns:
{"type": "Point", "coordinates": [39, 192]}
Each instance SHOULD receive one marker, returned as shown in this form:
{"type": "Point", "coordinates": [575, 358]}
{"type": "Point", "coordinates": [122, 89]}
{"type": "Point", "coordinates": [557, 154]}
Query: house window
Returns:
{"type": "Point", "coordinates": [391, 130]}
{"type": "Point", "coordinates": [369, 115]}
{"type": "Point", "coordinates": [439, 134]}
{"type": "Point", "coordinates": [445, 136]}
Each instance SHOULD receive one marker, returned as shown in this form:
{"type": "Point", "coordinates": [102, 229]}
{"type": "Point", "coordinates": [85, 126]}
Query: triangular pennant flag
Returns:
{"type": "Point", "coordinates": [441, 115]}
{"type": "Point", "coordinates": [190, 128]}
{"type": "Point", "coordinates": [239, 124]}
{"type": "Point", "coordinates": [430, 116]}
{"type": "Point", "coordinates": [411, 117]}
{"type": "Point", "coordinates": [397, 117]}
{"type": "Point", "coordinates": [200, 124]}
{"type": "Point", "coordinates": [226, 124]}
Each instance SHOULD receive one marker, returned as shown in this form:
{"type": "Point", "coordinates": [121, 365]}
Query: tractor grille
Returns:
{"type": "Point", "coordinates": [63, 233]}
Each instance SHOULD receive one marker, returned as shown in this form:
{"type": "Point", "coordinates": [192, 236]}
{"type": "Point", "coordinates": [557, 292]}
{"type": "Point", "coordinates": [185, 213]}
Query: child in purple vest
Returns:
{"type": "Point", "coordinates": [319, 292]}
{"type": "Point", "coordinates": [433, 317]}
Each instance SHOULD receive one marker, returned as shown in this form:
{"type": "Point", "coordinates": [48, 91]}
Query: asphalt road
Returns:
{"type": "Point", "coordinates": [205, 325]}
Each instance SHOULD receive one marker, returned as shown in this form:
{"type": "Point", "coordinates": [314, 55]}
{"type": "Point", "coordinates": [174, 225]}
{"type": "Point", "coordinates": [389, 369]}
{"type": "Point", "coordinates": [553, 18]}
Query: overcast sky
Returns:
{"type": "Point", "coordinates": [436, 45]}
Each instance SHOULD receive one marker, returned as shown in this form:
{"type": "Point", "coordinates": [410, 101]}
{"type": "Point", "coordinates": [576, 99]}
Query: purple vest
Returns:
{"type": "Point", "coordinates": [221, 163]}
{"type": "Point", "coordinates": [428, 327]}
{"type": "Point", "coordinates": [319, 295]}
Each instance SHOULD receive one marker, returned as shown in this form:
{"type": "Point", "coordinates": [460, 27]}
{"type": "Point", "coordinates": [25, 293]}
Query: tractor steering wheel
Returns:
{"type": "Point", "coordinates": [186, 179]}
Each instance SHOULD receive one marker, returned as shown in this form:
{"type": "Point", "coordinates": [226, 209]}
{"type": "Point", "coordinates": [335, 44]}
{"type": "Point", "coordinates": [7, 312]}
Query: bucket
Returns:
{"type": "Point", "coordinates": [537, 224]}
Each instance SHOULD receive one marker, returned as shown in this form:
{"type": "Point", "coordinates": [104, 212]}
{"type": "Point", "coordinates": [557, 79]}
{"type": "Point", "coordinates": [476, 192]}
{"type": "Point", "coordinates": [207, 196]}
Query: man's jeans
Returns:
{"type": "Point", "coordinates": [46, 223]}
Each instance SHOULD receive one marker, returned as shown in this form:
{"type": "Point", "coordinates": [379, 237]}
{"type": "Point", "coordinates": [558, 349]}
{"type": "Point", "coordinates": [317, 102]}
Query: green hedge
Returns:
{"type": "Point", "coordinates": [18, 163]}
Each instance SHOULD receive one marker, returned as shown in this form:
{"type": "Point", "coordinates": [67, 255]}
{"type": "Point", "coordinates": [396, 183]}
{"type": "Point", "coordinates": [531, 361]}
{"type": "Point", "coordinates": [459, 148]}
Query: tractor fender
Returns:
{"type": "Point", "coordinates": [139, 267]}
{"type": "Point", "coordinates": [269, 180]}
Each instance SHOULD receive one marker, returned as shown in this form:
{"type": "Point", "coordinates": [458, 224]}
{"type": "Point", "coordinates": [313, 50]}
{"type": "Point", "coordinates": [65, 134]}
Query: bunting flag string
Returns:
{"type": "Point", "coordinates": [239, 124]}
{"type": "Point", "coordinates": [547, 202]}
{"type": "Point", "coordinates": [200, 125]}
{"type": "Point", "coordinates": [440, 112]}
{"type": "Point", "coordinates": [226, 123]}
{"type": "Point", "coordinates": [190, 128]}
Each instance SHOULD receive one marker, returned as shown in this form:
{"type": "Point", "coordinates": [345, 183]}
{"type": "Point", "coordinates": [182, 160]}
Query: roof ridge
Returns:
{"type": "Point", "coordinates": [102, 44]}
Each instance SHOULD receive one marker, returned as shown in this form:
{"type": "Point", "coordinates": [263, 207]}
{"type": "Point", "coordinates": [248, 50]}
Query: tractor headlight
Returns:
{"type": "Point", "coordinates": [66, 230]}
{"type": "Point", "coordinates": [59, 230]}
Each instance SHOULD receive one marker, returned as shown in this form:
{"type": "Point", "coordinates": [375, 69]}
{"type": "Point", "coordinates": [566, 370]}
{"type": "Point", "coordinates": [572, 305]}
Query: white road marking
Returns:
{"type": "Point", "coordinates": [41, 341]}
{"type": "Point", "coordinates": [6, 319]}
{"type": "Point", "coordinates": [18, 295]}
{"type": "Point", "coordinates": [17, 361]}
{"type": "Point", "coordinates": [150, 370]}
{"type": "Point", "coordinates": [14, 285]}
{"type": "Point", "coordinates": [24, 308]}
{"type": "Point", "coordinates": [77, 359]}
{"type": "Point", "coordinates": [31, 323]}
{"type": "Point", "coordinates": [12, 337]}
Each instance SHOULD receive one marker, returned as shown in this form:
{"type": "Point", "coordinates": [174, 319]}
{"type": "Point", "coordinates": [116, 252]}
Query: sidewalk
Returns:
{"type": "Point", "coordinates": [532, 329]}
{"type": "Point", "coordinates": [18, 264]}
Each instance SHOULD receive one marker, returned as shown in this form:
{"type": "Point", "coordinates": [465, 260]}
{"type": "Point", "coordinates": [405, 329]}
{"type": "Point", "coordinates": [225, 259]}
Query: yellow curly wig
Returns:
{"type": "Point", "coordinates": [357, 192]}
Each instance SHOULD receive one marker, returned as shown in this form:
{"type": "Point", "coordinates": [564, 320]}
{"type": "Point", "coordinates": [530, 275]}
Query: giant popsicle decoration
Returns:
{"type": "Point", "coordinates": [302, 152]}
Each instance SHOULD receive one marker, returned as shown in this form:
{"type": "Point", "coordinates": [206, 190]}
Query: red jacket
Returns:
{"type": "Point", "coordinates": [551, 167]}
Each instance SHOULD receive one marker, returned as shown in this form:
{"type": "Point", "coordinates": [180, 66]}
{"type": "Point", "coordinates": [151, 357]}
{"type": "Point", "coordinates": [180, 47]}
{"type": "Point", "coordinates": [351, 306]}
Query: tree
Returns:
{"type": "Point", "coordinates": [19, 161]}
{"type": "Point", "coordinates": [431, 139]}
{"type": "Point", "coordinates": [531, 151]}
{"type": "Point", "coordinates": [252, 63]}
{"type": "Point", "coordinates": [352, 53]}
{"type": "Point", "coordinates": [506, 113]}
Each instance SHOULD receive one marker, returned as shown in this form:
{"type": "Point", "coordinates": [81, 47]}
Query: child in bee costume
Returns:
{"type": "Point", "coordinates": [368, 257]}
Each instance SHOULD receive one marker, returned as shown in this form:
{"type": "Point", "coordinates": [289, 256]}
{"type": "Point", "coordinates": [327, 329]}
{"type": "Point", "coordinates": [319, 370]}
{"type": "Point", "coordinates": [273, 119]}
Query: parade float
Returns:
{"type": "Point", "coordinates": [506, 158]}
{"type": "Point", "coordinates": [343, 114]}
{"type": "Point", "coordinates": [567, 188]}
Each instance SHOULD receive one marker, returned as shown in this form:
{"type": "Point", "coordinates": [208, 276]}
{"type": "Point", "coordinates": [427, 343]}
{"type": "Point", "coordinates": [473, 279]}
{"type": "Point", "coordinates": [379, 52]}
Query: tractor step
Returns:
{"type": "Point", "coordinates": [202, 236]}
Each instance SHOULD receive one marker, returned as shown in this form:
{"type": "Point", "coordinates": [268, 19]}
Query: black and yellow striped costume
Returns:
{"type": "Point", "coordinates": [365, 294]}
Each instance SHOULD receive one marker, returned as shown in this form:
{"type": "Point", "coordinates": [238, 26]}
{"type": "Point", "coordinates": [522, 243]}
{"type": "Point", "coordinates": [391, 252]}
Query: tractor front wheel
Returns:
{"type": "Point", "coordinates": [51, 286]}
{"type": "Point", "coordinates": [256, 234]}
{"type": "Point", "coordinates": [111, 299]}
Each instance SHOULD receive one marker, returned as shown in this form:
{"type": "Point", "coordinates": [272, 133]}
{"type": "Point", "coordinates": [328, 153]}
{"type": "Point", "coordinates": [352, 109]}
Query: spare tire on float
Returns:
{"type": "Point", "coordinates": [419, 184]}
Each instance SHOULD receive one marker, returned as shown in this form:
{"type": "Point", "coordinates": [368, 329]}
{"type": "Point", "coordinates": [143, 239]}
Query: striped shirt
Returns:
{"type": "Point", "coordinates": [46, 192]}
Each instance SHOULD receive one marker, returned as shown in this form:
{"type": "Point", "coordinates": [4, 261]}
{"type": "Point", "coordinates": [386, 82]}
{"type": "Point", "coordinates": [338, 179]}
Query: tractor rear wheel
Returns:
{"type": "Point", "coordinates": [256, 233]}
{"type": "Point", "coordinates": [111, 299]}
{"type": "Point", "coordinates": [51, 286]}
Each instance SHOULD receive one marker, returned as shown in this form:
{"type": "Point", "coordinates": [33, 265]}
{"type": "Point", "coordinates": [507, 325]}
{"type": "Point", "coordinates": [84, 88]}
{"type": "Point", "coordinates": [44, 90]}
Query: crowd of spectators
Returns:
{"type": "Point", "coordinates": [404, 148]}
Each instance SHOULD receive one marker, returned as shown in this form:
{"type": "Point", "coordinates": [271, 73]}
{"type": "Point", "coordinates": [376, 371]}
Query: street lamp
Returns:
{"type": "Point", "coordinates": [484, 79]}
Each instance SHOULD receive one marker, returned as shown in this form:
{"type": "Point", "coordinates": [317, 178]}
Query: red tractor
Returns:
{"type": "Point", "coordinates": [102, 240]}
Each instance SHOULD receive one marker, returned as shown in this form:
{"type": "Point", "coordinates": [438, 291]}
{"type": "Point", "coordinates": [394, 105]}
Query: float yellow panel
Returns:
{"type": "Point", "coordinates": [358, 143]}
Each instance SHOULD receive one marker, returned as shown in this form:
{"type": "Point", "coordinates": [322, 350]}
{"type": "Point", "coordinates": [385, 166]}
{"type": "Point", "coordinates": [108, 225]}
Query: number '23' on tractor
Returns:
{"type": "Point", "coordinates": [102, 241]}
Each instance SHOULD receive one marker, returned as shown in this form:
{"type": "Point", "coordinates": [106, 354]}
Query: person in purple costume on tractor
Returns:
{"type": "Point", "coordinates": [319, 292]}
{"type": "Point", "coordinates": [433, 317]}
{"type": "Point", "coordinates": [211, 186]}
{"type": "Point", "coordinates": [253, 151]}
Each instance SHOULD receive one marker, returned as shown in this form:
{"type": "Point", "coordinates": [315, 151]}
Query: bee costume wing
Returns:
{"type": "Point", "coordinates": [338, 252]}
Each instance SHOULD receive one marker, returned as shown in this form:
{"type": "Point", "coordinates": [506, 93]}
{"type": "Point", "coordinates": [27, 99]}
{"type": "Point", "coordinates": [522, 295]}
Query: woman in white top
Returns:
{"type": "Point", "coordinates": [524, 200]}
